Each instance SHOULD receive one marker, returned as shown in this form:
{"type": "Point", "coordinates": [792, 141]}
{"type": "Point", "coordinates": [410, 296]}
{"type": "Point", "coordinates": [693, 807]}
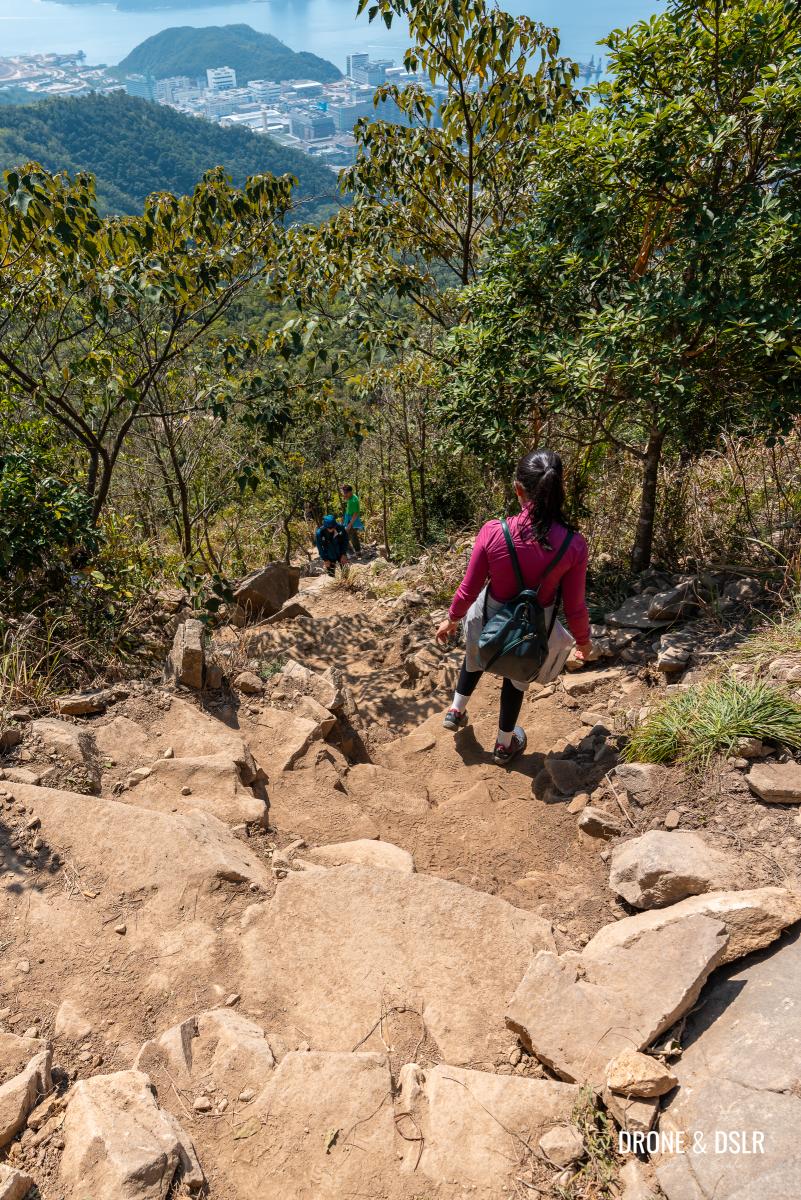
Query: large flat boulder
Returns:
{"type": "Point", "coordinates": [753, 919]}
{"type": "Point", "coordinates": [191, 733]}
{"type": "Point", "coordinates": [633, 614]}
{"type": "Point", "coordinates": [577, 1011]}
{"type": "Point", "coordinates": [156, 894]}
{"type": "Point", "coordinates": [352, 942]}
{"type": "Point", "coordinates": [776, 783]}
{"type": "Point", "coordinates": [322, 1127]}
{"type": "Point", "coordinates": [265, 591]}
{"type": "Point", "coordinates": [463, 1125]}
{"type": "Point", "coordinates": [119, 1145]}
{"type": "Point", "coordinates": [660, 868]}
{"type": "Point", "coordinates": [740, 1074]}
{"type": "Point", "coordinates": [211, 783]}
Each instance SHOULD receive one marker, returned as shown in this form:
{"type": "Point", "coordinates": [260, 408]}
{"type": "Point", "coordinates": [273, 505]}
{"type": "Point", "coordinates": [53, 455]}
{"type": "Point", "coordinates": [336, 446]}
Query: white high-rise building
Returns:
{"type": "Point", "coordinates": [357, 62]}
{"type": "Point", "coordinates": [221, 79]}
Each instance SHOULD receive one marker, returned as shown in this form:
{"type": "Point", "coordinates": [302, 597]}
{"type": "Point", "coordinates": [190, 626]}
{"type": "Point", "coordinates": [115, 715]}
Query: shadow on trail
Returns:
{"type": "Point", "coordinates": [531, 765]}
{"type": "Point", "coordinates": [16, 852]}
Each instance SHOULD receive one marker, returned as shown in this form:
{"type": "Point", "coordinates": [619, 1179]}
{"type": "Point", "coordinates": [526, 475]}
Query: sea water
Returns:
{"type": "Point", "coordinates": [325, 27]}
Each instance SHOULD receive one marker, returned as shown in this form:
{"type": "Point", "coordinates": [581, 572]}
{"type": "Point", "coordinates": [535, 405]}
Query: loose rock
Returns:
{"type": "Point", "coordinates": [776, 783]}
{"type": "Point", "coordinates": [264, 592]}
{"type": "Point", "coordinates": [14, 1185]}
{"type": "Point", "coordinates": [186, 662]}
{"type": "Point", "coordinates": [249, 683]}
{"type": "Point", "coordinates": [119, 1143]}
{"type": "Point", "coordinates": [24, 1079]}
{"type": "Point", "coordinates": [635, 1074]}
{"type": "Point", "coordinates": [659, 868]}
{"type": "Point", "coordinates": [82, 703]}
{"type": "Point", "coordinates": [598, 824]}
{"type": "Point", "coordinates": [562, 1145]}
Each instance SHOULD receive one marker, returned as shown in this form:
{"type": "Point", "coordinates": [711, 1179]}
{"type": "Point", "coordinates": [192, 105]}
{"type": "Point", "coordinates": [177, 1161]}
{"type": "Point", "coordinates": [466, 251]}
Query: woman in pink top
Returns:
{"type": "Point", "coordinates": [538, 532]}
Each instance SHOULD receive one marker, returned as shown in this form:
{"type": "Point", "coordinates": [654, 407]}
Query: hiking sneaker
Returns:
{"type": "Point", "coordinates": [504, 754]}
{"type": "Point", "coordinates": [454, 720]}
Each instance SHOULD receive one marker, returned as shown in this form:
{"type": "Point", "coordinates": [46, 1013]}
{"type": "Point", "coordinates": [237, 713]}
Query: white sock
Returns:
{"type": "Point", "coordinates": [459, 701]}
{"type": "Point", "coordinates": [505, 739]}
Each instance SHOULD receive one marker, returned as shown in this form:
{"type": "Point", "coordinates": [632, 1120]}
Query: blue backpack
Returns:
{"type": "Point", "coordinates": [514, 643]}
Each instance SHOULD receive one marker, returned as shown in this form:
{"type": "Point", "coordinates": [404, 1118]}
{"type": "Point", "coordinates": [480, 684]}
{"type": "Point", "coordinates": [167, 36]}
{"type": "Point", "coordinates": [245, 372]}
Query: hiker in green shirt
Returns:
{"type": "Point", "coordinates": [351, 518]}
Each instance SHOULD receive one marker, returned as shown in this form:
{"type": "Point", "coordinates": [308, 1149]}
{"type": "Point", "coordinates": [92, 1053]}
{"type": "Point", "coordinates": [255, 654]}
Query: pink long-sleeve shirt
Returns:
{"type": "Point", "coordinates": [490, 560]}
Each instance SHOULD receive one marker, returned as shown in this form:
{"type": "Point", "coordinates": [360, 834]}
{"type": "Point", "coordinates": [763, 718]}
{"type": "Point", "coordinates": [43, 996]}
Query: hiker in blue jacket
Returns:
{"type": "Point", "coordinates": [332, 543]}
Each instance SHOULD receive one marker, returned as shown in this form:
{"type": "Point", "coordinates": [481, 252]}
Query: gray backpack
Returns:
{"type": "Point", "coordinates": [514, 642]}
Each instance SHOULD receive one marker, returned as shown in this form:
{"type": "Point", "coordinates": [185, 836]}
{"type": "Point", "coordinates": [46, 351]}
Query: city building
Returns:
{"type": "Point", "coordinates": [176, 87]}
{"type": "Point", "coordinates": [265, 89]}
{"type": "Point", "coordinates": [345, 116]}
{"type": "Point", "coordinates": [311, 127]}
{"type": "Point", "coordinates": [303, 89]}
{"type": "Point", "coordinates": [141, 85]}
{"type": "Point", "coordinates": [371, 73]}
{"type": "Point", "coordinates": [245, 120]}
{"type": "Point", "coordinates": [221, 79]}
{"type": "Point", "coordinates": [357, 61]}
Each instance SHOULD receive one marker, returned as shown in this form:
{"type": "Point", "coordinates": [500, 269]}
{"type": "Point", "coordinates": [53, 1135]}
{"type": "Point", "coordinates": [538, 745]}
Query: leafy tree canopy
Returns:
{"type": "Point", "coordinates": [653, 295]}
{"type": "Point", "coordinates": [427, 194]}
{"type": "Point", "coordinates": [100, 319]}
{"type": "Point", "coordinates": [134, 148]}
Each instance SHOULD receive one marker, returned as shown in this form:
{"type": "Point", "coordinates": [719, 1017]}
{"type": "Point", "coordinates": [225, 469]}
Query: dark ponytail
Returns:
{"type": "Point", "coordinates": [540, 476]}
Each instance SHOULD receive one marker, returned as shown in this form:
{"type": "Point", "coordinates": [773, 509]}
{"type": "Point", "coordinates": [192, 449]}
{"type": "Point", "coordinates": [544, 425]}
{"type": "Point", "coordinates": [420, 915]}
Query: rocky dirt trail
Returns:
{"type": "Point", "coordinates": [268, 930]}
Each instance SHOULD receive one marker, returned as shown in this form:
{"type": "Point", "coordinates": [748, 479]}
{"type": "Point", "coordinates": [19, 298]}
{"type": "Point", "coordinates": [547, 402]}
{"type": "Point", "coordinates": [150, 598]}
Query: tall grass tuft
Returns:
{"type": "Point", "coordinates": [693, 726]}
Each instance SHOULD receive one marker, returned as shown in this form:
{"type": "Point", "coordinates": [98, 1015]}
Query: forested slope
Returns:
{"type": "Point", "coordinates": [184, 50]}
{"type": "Point", "coordinates": [134, 148]}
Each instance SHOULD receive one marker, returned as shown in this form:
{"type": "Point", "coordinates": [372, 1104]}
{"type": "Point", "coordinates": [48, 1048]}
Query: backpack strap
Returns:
{"type": "Point", "coordinates": [557, 558]}
{"type": "Point", "coordinates": [557, 600]}
{"type": "Point", "coordinates": [510, 546]}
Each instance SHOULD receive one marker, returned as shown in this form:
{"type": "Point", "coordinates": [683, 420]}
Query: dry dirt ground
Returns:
{"type": "Point", "coordinates": [196, 889]}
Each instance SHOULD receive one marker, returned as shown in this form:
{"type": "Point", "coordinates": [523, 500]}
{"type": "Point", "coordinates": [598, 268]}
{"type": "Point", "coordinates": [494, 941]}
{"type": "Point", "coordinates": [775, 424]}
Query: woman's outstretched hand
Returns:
{"type": "Point", "coordinates": [586, 652]}
{"type": "Point", "coordinates": [446, 630]}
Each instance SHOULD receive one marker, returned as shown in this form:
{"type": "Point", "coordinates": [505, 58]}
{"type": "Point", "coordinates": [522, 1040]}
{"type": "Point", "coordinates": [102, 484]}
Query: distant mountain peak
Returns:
{"type": "Point", "coordinates": [187, 50]}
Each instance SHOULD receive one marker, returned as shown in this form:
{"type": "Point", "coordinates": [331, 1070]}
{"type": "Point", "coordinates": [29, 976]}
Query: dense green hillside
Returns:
{"type": "Point", "coordinates": [187, 51]}
{"type": "Point", "coordinates": [15, 95]}
{"type": "Point", "coordinates": [135, 147]}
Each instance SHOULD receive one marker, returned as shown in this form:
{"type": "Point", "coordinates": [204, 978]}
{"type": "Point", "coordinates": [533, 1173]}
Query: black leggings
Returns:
{"type": "Point", "coordinates": [511, 697]}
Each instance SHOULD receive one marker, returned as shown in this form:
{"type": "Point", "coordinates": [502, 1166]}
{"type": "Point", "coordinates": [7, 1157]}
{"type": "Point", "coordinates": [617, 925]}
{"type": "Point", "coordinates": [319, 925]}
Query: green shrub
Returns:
{"type": "Point", "coordinates": [710, 719]}
{"type": "Point", "coordinates": [44, 521]}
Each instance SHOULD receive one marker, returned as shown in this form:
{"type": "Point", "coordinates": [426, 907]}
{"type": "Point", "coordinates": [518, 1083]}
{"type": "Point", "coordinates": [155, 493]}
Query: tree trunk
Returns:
{"type": "Point", "coordinates": [423, 475]}
{"type": "Point", "coordinates": [644, 537]}
{"type": "Point", "coordinates": [287, 537]}
{"type": "Point", "coordinates": [382, 471]}
{"type": "Point", "coordinates": [100, 494]}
